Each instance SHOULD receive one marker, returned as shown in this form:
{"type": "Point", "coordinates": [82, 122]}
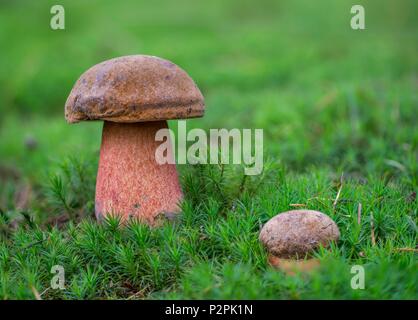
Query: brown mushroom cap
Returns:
{"type": "Point", "coordinates": [134, 88]}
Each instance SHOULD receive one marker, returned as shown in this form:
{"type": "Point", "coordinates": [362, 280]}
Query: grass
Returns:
{"type": "Point", "coordinates": [332, 102]}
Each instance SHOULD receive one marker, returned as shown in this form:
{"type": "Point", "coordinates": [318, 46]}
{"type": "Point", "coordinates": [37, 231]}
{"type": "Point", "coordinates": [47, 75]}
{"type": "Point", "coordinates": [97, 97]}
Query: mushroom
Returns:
{"type": "Point", "coordinates": [134, 95]}
{"type": "Point", "coordinates": [296, 234]}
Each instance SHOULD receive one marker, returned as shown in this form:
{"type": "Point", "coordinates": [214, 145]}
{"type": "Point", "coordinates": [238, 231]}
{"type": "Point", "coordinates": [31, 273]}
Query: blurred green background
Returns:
{"type": "Point", "coordinates": [330, 100]}
{"type": "Point", "coordinates": [324, 94]}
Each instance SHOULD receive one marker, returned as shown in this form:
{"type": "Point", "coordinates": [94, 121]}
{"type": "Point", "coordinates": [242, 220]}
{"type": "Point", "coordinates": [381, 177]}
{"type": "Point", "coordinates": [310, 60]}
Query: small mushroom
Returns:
{"type": "Point", "coordinates": [134, 95]}
{"type": "Point", "coordinates": [296, 234]}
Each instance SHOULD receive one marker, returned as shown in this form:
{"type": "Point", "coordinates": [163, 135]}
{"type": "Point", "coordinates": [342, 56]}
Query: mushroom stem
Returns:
{"type": "Point", "coordinates": [130, 183]}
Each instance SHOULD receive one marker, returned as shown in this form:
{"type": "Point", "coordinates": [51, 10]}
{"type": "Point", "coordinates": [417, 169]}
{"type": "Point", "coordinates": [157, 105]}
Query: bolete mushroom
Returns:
{"type": "Point", "coordinates": [134, 95]}
{"type": "Point", "coordinates": [296, 234]}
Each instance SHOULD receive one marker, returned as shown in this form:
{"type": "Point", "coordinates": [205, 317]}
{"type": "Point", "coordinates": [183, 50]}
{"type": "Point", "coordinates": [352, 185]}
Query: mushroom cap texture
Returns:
{"type": "Point", "coordinates": [134, 88]}
{"type": "Point", "coordinates": [296, 233]}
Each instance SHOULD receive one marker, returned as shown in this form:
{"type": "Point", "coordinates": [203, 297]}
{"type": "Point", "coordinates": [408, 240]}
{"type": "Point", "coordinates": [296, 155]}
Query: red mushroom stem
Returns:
{"type": "Point", "coordinates": [130, 182]}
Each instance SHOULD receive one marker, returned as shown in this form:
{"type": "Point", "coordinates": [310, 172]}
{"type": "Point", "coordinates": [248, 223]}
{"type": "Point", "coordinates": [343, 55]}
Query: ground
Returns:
{"type": "Point", "coordinates": [339, 112]}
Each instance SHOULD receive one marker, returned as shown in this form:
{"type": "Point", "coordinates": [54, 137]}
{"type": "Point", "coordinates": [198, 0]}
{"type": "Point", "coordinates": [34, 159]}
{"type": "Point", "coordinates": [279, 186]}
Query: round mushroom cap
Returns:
{"type": "Point", "coordinates": [134, 89]}
{"type": "Point", "coordinates": [297, 233]}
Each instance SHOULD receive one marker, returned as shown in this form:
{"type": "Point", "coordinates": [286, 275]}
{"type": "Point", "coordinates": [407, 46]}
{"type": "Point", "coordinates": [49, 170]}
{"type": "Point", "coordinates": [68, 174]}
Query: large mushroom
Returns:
{"type": "Point", "coordinates": [134, 95]}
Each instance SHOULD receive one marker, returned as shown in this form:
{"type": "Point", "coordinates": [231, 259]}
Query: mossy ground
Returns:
{"type": "Point", "coordinates": [332, 102]}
